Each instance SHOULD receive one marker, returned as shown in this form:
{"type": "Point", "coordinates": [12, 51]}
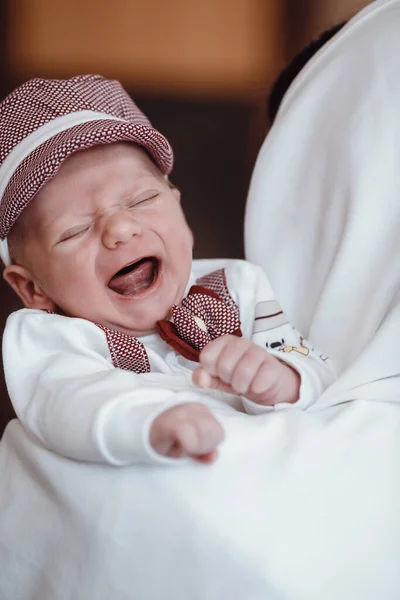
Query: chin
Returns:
{"type": "Point", "coordinates": [138, 327]}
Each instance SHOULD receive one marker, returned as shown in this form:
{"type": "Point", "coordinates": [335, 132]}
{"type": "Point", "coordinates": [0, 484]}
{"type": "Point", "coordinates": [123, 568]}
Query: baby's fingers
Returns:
{"type": "Point", "coordinates": [208, 458]}
{"type": "Point", "coordinates": [203, 379]}
{"type": "Point", "coordinates": [199, 438]}
{"type": "Point", "coordinates": [246, 370]}
{"type": "Point", "coordinates": [221, 356]}
{"type": "Point", "coordinates": [187, 430]}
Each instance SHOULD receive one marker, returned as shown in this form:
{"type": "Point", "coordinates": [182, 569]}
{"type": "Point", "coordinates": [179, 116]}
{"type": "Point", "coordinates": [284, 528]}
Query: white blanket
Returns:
{"type": "Point", "coordinates": [301, 505]}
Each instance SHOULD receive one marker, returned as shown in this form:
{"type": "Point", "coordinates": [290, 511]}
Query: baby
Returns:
{"type": "Point", "coordinates": [127, 348]}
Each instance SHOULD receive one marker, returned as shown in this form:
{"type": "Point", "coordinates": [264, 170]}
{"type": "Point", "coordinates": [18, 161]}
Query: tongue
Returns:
{"type": "Point", "coordinates": [137, 280]}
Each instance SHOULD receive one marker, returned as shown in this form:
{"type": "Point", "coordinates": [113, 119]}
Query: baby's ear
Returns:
{"type": "Point", "coordinates": [23, 284]}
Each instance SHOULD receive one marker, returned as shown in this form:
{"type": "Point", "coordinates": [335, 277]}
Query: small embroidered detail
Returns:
{"type": "Point", "coordinates": [299, 350]}
{"type": "Point", "coordinates": [126, 351]}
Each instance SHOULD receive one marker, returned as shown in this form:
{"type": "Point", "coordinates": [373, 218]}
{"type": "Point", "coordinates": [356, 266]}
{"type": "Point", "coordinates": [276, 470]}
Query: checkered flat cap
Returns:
{"type": "Point", "coordinates": [43, 121]}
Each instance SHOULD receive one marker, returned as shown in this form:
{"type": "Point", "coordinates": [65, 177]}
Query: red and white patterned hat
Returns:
{"type": "Point", "coordinates": [45, 120]}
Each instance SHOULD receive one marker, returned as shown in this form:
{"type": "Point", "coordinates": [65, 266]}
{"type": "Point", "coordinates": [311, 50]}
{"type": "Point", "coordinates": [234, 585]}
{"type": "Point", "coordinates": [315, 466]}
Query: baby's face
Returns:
{"type": "Point", "coordinates": [110, 242]}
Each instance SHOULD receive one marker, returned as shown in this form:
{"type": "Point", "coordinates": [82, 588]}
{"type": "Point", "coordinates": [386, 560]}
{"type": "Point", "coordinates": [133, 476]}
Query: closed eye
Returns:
{"type": "Point", "coordinates": [73, 233]}
{"type": "Point", "coordinates": [143, 198]}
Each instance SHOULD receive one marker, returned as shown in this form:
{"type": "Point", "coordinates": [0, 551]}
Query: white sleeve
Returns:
{"type": "Point", "coordinates": [66, 392]}
{"type": "Point", "coordinates": [264, 321]}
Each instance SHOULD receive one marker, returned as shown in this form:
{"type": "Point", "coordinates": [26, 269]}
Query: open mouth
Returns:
{"type": "Point", "coordinates": [136, 277]}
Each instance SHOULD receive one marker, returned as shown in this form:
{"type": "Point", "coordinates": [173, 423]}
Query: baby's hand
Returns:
{"type": "Point", "coordinates": [238, 366]}
{"type": "Point", "coordinates": [187, 430]}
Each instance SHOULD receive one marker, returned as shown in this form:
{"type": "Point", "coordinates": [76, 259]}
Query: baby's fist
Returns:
{"type": "Point", "coordinates": [187, 430]}
{"type": "Point", "coordinates": [237, 365]}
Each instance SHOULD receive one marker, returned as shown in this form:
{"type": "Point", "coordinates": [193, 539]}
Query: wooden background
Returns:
{"type": "Point", "coordinates": [201, 71]}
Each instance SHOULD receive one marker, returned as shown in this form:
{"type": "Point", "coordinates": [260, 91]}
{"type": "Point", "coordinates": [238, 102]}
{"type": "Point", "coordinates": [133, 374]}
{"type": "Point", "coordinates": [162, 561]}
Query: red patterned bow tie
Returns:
{"type": "Point", "coordinates": [201, 317]}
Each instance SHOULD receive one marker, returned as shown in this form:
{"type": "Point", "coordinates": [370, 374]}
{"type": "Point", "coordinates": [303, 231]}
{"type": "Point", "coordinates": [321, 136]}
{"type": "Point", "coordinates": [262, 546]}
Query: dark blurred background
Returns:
{"type": "Point", "coordinates": [200, 70]}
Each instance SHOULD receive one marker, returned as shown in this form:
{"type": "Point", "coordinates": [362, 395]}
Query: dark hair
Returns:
{"type": "Point", "coordinates": [286, 76]}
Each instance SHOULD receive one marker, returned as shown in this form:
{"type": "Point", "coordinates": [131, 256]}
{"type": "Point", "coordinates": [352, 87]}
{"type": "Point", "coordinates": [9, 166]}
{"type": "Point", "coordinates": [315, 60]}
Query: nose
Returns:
{"type": "Point", "coordinates": [118, 228]}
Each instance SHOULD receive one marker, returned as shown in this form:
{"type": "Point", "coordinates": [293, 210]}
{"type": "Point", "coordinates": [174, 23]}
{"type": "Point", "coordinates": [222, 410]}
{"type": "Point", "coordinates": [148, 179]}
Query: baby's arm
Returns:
{"type": "Point", "coordinates": [272, 364]}
{"type": "Point", "coordinates": [69, 396]}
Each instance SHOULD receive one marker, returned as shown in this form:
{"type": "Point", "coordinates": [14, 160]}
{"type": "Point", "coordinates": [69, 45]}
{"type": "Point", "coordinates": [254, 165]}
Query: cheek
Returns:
{"type": "Point", "coordinates": [71, 274]}
{"type": "Point", "coordinates": [179, 230]}
{"type": "Point", "coordinates": [182, 242]}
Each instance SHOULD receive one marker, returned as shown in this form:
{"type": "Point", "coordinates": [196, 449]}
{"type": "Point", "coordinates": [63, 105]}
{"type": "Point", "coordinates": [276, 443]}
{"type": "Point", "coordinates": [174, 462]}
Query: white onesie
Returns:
{"type": "Point", "coordinates": [73, 385]}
